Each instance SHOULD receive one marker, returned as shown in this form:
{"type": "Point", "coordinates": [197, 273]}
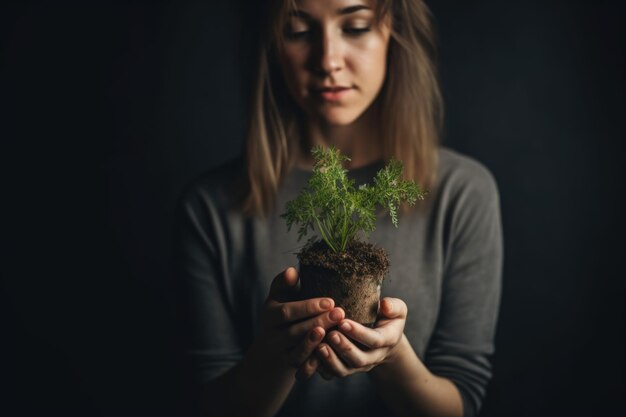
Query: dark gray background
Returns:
{"type": "Point", "coordinates": [109, 109]}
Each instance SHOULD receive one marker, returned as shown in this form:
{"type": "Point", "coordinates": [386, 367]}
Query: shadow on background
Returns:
{"type": "Point", "coordinates": [108, 110]}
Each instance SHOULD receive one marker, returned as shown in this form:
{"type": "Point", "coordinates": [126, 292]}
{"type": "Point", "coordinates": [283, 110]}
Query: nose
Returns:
{"type": "Point", "coordinates": [329, 56]}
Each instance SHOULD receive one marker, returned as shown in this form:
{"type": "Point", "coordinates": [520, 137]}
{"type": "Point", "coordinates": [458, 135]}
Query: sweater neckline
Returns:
{"type": "Point", "coordinates": [371, 167]}
{"type": "Point", "coordinates": [361, 175]}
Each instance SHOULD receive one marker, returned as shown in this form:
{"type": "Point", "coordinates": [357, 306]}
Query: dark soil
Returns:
{"type": "Point", "coordinates": [352, 278]}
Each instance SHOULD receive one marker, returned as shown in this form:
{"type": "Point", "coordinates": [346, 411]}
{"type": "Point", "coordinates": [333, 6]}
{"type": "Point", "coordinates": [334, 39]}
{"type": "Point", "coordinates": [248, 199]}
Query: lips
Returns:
{"type": "Point", "coordinates": [333, 95]}
{"type": "Point", "coordinates": [330, 89]}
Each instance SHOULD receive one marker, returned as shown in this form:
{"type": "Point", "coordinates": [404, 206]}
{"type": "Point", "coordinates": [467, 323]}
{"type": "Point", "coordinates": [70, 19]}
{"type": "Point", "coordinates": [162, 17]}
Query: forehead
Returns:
{"type": "Point", "coordinates": [319, 10]}
{"type": "Point", "coordinates": [329, 8]}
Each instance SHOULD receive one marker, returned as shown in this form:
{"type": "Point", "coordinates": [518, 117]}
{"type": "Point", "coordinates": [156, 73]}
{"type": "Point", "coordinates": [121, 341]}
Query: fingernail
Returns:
{"type": "Point", "coordinates": [345, 326]}
{"type": "Point", "coordinates": [325, 304]}
{"type": "Point", "coordinates": [314, 336]}
{"type": "Point", "coordinates": [335, 339]}
{"type": "Point", "coordinates": [324, 351]}
{"type": "Point", "coordinates": [336, 315]}
{"type": "Point", "coordinates": [290, 273]}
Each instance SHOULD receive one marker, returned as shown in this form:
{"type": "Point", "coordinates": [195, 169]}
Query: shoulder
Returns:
{"type": "Point", "coordinates": [217, 187]}
{"type": "Point", "coordinates": [461, 175]}
{"type": "Point", "coordinates": [466, 194]}
{"type": "Point", "coordinates": [468, 203]}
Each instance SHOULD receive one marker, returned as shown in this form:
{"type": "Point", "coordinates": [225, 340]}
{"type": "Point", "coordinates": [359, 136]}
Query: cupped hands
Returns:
{"type": "Point", "coordinates": [354, 348]}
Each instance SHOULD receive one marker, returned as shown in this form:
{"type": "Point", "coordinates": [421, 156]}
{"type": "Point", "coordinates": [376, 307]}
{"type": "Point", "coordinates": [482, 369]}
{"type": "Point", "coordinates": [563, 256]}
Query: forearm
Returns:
{"type": "Point", "coordinates": [256, 386]}
{"type": "Point", "coordinates": [410, 389]}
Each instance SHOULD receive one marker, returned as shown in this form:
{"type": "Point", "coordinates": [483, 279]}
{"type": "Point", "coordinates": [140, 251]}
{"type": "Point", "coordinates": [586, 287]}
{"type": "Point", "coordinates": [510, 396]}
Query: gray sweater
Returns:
{"type": "Point", "coordinates": [446, 265]}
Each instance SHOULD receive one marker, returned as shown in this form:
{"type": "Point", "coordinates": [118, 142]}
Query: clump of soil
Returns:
{"type": "Point", "coordinates": [352, 278]}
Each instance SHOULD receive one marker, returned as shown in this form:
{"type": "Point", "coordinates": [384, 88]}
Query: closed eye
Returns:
{"type": "Point", "coordinates": [298, 35]}
{"type": "Point", "coordinates": [306, 33]}
{"type": "Point", "coordinates": [356, 31]}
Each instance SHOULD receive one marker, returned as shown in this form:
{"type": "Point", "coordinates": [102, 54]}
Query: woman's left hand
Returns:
{"type": "Point", "coordinates": [339, 356]}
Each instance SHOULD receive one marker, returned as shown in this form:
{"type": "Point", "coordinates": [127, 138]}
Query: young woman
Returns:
{"type": "Point", "coordinates": [359, 75]}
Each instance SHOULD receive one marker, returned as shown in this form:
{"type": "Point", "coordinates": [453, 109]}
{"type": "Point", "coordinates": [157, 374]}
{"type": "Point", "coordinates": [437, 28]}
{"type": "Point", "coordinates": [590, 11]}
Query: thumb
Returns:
{"type": "Point", "coordinates": [393, 308]}
{"type": "Point", "coordinates": [284, 285]}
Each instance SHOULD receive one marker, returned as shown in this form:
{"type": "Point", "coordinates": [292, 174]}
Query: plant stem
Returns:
{"type": "Point", "coordinates": [321, 229]}
{"type": "Point", "coordinates": [344, 231]}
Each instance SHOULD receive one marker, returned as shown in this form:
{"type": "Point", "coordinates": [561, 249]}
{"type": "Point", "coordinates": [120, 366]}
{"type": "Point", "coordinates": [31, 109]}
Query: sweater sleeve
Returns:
{"type": "Point", "coordinates": [206, 311]}
{"type": "Point", "coordinates": [462, 343]}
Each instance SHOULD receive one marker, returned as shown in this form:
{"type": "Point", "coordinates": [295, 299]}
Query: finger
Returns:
{"type": "Point", "coordinates": [351, 354]}
{"type": "Point", "coordinates": [308, 369]}
{"type": "Point", "coordinates": [331, 361]}
{"type": "Point", "coordinates": [326, 321]}
{"type": "Point", "coordinates": [371, 338]}
{"type": "Point", "coordinates": [284, 285]}
{"type": "Point", "coordinates": [393, 308]}
{"type": "Point", "coordinates": [285, 313]}
{"type": "Point", "coordinates": [322, 369]}
{"type": "Point", "coordinates": [295, 332]}
{"type": "Point", "coordinates": [298, 355]}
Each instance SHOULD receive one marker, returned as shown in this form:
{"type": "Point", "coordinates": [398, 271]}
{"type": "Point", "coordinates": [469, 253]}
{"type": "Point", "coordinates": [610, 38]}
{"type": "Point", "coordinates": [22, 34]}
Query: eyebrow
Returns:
{"type": "Point", "coordinates": [343, 11]}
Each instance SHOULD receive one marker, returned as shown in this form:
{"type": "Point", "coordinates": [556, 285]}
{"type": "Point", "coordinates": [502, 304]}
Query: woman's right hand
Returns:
{"type": "Point", "coordinates": [292, 330]}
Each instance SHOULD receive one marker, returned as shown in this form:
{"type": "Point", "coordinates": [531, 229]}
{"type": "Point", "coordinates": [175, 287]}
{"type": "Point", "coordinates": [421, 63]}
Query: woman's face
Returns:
{"type": "Point", "coordinates": [334, 58]}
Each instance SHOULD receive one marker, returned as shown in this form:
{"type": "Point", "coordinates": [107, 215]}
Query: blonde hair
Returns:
{"type": "Point", "coordinates": [411, 107]}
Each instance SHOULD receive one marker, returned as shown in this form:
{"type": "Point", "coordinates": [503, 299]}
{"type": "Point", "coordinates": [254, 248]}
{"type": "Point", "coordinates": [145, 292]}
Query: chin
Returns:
{"type": "Point", "coordinates": [339, 118]}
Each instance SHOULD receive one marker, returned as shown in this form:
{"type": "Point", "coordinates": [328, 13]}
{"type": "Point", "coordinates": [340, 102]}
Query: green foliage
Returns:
{"type": "Point", "coordinates": [332, 205]}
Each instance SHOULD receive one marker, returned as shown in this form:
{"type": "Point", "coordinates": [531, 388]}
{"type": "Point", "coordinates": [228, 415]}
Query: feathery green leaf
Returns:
{"type": "Point", "coordinates": [332, 206]}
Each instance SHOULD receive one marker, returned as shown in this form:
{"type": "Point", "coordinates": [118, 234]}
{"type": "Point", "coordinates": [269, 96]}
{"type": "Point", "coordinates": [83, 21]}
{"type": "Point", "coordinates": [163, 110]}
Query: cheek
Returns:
{"type": "Point", "coordinates": [371, 60]}
{"type": "Point", "coordinates": [292, 65]}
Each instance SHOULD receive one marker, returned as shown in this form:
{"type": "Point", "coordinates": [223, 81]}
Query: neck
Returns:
{"type": "Point", "coordinates": [360, 140]}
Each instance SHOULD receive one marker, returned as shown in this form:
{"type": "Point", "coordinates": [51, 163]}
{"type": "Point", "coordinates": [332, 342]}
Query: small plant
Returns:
{"type": "Point", "coordinates": [332, 205]}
